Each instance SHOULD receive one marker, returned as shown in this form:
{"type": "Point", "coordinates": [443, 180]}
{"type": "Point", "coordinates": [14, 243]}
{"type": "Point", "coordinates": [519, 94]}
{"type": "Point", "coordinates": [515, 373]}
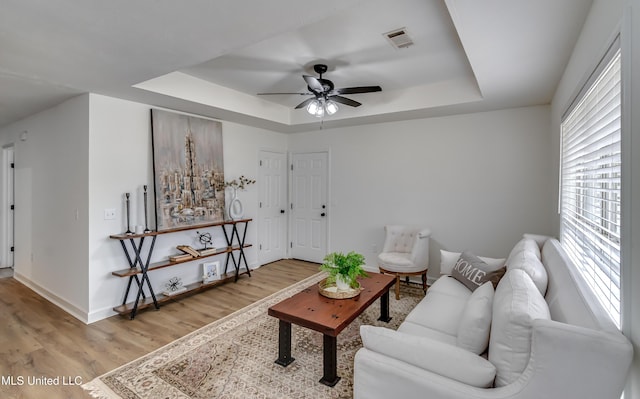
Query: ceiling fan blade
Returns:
{"type": "Point", "coordinates": [358, 90]}
{"type": "Point", "coordinates": [275, 94]}
{"type": "Point", "coordinates": [313, 83]}
{"type": "Point", "coordinates": [305, 103]}
{"type": "Point", "coordinates": [344, 100]}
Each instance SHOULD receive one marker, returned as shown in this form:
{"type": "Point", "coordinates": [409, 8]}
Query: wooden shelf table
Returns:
{"type": "Point", "coordinates": [140, 263]}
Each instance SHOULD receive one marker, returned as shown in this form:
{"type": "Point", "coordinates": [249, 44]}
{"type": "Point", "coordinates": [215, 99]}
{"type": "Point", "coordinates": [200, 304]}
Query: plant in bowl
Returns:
{"type": "Point", "coordinates": [344, 270]}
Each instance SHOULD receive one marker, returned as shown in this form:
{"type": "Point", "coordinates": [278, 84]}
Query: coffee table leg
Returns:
{"type": "Point", "coordinates": [384, 308]}
{"type": "Point", "coordinates": [330, 361]}
{"type": "Point", "coordinates": [284, 344]}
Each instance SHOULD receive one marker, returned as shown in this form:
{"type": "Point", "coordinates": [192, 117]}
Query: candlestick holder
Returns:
{"type": "Point", "coordinates": [146, 224]}
{"type": "Point", "coordinates": [128, 224]}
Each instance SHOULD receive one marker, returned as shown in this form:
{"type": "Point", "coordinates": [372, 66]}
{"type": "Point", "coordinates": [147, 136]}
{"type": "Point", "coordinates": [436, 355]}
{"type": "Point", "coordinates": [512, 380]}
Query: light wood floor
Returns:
{"type": "Point", "coordinates": [37, 339]}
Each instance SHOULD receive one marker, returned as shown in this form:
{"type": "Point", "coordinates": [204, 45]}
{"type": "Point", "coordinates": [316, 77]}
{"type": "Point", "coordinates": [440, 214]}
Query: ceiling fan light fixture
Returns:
{"type": "Point", "coordinates": [313, 107]}
{"type": "Point", "coordinates": [325, 96]}
{"type": "Point", "coordinates": [331, 107]}
{"type": "Point", "coordinates": [316, 108]}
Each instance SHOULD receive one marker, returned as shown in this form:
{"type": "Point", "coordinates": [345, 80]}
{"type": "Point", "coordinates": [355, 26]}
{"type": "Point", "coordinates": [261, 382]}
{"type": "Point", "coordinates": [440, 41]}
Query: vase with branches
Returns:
{"type": "Point", "coordinates": [235, 206]}
{"type": "Point", "coordinates": [240, 183]}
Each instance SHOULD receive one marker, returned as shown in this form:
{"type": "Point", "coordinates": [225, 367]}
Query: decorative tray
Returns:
{"type": "Point", "coordinates": [331, 291]}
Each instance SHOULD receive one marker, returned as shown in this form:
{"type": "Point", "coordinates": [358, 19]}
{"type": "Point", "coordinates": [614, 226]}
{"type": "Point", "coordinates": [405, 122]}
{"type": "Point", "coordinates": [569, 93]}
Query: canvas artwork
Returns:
{"type": "Point", "coordinates": [188, 169]}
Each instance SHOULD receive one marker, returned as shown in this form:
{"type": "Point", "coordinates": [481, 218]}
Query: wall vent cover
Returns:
{"type": "Point", "coordinates": [399, 38]}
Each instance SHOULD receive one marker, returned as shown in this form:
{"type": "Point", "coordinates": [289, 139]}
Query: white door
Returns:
{"type": "Point", "coordinates": [272, 207]}
{"type": "Point", "coordinates": [309, 206]}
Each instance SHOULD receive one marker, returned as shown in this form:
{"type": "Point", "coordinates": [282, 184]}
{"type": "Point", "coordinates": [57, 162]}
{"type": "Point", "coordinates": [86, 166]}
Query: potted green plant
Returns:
{"type": "Point", "coordinates": [344, 270]}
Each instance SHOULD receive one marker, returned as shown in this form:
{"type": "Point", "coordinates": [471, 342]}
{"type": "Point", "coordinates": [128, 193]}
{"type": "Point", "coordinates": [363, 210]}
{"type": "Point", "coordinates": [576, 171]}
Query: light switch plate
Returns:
{"type": "Point", "coordinates": [109, 214]}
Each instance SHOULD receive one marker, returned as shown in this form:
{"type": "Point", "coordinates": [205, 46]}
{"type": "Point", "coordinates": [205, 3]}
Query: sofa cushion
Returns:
{"type": "Point", "coordinates": [449, 259]}
{"type": "Point", "coordinates": [450, 286]}
{"type": "Point", "coordinates": [516, 303]}
{"type": "Point", "coordinates": [525, 244]}
{"type": "Point", "coordinates": [538, 238]}
{"type": "Point", "coordinates": [475, 323]}
{"type": "Point", "coordinates": [434, 356]}
{"type": "Point", "coordinates": [526, 256]}
{"type": "Point", "coordinates": [419, 330]}
{"type": "Point", "coordinates": [473, 272]}
{"type": "Point", "coordinates": [441, 309]}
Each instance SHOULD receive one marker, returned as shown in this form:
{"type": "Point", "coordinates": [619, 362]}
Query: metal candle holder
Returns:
{"type": "Point", "coordinates": [128, 224]}
{"type": "Point", "coordinates": [146, 224]}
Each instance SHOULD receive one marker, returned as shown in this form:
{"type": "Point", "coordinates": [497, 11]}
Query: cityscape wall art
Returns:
{"type": "Point", "coordinates": [188, 170]}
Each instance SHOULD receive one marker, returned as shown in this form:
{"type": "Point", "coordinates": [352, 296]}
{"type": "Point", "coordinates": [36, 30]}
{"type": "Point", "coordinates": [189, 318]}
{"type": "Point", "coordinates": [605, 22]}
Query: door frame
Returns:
{"type": "Point", "coordinates": [7, 216]}
{"type": "Point", "coordinates": [326, 150]}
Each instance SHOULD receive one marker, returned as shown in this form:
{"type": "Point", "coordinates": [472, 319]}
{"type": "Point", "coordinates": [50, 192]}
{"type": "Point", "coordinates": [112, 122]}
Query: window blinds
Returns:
{"type": "Point", "coordinates": [590, 184]}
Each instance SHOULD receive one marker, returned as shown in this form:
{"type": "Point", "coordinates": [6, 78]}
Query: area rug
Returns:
{"type": "Point", "coordinates": [234, 357]}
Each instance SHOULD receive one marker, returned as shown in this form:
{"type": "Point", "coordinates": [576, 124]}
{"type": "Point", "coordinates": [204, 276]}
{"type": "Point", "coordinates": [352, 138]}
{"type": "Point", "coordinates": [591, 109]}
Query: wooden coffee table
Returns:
{"type": "Point", "coordinates": [329, 316]}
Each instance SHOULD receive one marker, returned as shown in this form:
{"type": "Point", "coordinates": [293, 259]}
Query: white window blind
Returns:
{"type": "Point", "coordinates": [590, 182]}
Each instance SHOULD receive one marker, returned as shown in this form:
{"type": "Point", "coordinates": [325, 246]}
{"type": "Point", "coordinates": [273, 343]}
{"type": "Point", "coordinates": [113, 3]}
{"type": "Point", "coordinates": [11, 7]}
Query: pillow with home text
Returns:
{"type": "Point", "coordinates": [471, 271]}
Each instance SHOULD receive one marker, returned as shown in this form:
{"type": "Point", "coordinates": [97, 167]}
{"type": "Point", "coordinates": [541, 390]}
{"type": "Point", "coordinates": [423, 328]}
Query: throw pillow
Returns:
{"type": "Point", "coordinates": [526, 244]}
{"type": "Point", "coordinates": [448, 261]}
{"type": "Point", "coordinates": [475, 323]}
{"type": "Point", "coordinates": [527, 261]}
{"type": "Point", "coordinates": [516, 304]}
{"type": "Point", "coordinates": [473, 272]}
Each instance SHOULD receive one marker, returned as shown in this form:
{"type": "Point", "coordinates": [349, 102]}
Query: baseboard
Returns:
{"type": "Point", "coordinates": [53, 298]}
{"type": "Point", "coordinates": [101, 314]}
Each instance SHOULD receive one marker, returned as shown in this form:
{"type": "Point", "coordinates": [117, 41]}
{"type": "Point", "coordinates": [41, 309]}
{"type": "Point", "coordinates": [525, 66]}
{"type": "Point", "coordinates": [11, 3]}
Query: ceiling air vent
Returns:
{"type": "Point", "coordinates": [399, 38]}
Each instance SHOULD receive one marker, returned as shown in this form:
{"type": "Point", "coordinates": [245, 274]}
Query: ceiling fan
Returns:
{"type": "Point", "coordinates": [325, 95]}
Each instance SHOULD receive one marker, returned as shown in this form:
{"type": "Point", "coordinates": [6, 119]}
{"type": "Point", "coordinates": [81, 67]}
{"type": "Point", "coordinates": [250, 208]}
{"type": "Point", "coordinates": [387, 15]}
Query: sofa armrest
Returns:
{"type": "Point", "coordinates": [437, 357]}
{"type": "Point", "coordinates": [377, 376]}
{"type": "Point", "coordinates": [567, 361]}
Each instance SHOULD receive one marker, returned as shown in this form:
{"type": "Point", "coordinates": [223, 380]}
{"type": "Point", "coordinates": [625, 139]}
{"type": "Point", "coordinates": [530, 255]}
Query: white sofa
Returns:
{"type": "Point", "coordinates": [547, 337]}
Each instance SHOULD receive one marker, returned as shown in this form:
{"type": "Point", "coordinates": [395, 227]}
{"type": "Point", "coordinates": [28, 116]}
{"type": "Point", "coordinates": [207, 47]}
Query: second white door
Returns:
{"type": "Point", "coordinates": [309, 206]}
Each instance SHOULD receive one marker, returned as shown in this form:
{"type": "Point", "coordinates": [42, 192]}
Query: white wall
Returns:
{"type": "Point", "coordinates": [51, 197]}
{"type": "Point", "coordinates": [479, 181]}
{"type": "Point", "coordinates": [79, 159]}
{"type": "Point", "coordinates": [121, 161]}
{"type": "Point", "coordinates": [447, 173]}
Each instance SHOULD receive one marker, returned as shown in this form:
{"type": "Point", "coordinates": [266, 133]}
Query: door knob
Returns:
{"type": "Point", "coordinates": [281, 210]}
{"type": "Point", "coordinates": [322, 214]}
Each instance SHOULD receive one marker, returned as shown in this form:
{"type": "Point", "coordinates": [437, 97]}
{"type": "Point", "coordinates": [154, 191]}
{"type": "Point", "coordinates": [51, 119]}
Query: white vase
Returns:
{"type": "Point", "coordinates": [342, 283]}
{"type": "Point", "coordinates": [235, 206]}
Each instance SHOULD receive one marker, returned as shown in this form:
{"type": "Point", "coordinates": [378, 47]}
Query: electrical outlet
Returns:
{"type": "Point", "coordinates": [109, 214]}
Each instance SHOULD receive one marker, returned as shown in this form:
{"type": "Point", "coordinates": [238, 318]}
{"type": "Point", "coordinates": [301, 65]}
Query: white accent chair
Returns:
{"type": "Point", "coordinates": [405, 253]}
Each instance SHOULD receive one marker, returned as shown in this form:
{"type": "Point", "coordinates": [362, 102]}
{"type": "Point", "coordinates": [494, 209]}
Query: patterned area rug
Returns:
{"type": "Point", "coordinates": [234, 357]}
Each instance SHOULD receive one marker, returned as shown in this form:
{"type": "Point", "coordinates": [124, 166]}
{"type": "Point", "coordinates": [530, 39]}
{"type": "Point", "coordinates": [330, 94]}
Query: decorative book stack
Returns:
{"type": "Point", "coordinates": [180, 257]}
{"type": "Point", "coordinates": [207, 251]}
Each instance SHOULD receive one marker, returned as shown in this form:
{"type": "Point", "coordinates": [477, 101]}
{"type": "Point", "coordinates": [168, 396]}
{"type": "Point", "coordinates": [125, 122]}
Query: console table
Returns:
{"type": "Point", "coordinates": [235, 232]}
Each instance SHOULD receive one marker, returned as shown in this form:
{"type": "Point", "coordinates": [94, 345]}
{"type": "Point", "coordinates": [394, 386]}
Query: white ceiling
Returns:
{"type": "Point", "coordinates": [212, 57]}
